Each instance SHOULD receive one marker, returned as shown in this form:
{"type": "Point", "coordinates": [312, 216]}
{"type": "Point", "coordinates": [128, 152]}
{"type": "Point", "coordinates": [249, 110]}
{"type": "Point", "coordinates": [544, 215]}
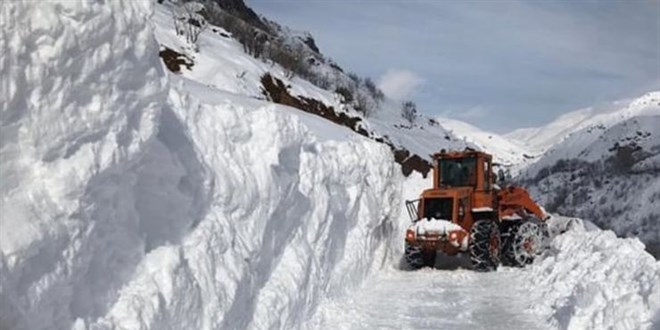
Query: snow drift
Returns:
{"type": "Point", "coordinates": [127, 204]}
{"type": "Point", "coordinates": [590, 279]}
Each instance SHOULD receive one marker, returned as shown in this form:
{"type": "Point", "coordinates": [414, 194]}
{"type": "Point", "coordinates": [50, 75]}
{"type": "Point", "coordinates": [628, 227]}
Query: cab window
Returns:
{"type": "Point", "coordinates": [458, 172]}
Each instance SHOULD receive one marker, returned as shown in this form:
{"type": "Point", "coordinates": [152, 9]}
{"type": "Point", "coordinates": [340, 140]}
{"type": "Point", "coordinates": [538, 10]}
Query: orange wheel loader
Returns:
{"type": "Point", "coordinates": [466, 212]}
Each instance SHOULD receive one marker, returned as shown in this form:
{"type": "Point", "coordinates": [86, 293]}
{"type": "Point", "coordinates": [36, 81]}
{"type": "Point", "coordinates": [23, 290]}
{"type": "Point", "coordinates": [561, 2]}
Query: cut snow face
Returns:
{"type": "Point", "coordinates": [130, 204]}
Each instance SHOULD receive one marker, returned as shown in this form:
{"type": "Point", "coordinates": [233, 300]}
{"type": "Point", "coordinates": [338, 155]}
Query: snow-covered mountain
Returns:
{"type": "Point", "coordinates": [540, 139]}
{"type": "Point", "coordinates": [607, 171]}
{"type": "Point", "coordinates": [506, 151]}
{"type": "Point", "coordinates": [177, 192]}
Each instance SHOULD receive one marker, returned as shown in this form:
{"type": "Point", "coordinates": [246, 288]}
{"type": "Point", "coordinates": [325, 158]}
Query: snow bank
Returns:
{"type": "Point", "coordinates": [590, 279]}
{"type": "Point", "coordinates": [131, 204]}
{"type": "Point", "coordinates": [292, 216]}
{"type": "Point", "coordinates": [82, 92]}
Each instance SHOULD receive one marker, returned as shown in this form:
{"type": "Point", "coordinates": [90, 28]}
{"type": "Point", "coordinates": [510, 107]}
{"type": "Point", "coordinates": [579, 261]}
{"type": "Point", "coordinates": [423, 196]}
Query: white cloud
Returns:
{"type": "Point", "coordinates": [473, 113]}
{"type": "Point", "coordinates": [399, 84]}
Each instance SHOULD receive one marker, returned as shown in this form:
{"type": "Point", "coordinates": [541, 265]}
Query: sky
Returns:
{"type": "Point", "coordinates": [496, 64]}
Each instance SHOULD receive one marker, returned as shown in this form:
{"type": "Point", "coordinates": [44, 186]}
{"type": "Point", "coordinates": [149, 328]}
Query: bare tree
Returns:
{"type": "Point", "coordinates": [375, 92]}
{"type": "Point", "coordinates": [189, 21]}
{"type": "Point", "coordinates": [409, 111]}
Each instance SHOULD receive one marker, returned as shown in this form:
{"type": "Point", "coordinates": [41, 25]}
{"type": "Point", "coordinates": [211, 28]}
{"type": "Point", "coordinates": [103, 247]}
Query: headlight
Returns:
{"type": "Point", "coordinates": [410, 235]}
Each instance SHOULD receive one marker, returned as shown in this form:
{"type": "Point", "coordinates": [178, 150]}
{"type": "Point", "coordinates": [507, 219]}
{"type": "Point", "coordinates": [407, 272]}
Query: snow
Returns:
{"type": "Point", "coordinates": [541, 139]}
{"type": "Point", "coordinates": [133, 198]}
{"type": "Point", "coordinates": [425, 226]}
{"type": "Point", "coordinates": [133, 202]}
{"type": "Point", "coordinates": [443, 298]}
{"type": "Point", "coordinates": [600, 183]}
{"type": "Point", "coordinates": [505, 151]}
{"type": "Point", "coordinates": [590, 279]}
{"type": "Point", "coordinates": [222, 64]}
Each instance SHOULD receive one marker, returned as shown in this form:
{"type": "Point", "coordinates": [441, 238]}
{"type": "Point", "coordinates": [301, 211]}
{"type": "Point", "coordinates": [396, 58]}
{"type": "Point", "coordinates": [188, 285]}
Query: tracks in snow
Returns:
{"type": "Point", "coordinates": [434, 299]}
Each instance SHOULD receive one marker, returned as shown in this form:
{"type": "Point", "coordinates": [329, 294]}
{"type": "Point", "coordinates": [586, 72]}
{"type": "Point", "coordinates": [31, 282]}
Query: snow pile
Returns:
{"type": "Point", "coordinates": [590, 279]}
{"type": "Point", "coordinates": [127, 203]}
{"type": "Point", "coordinates": [434, 226]}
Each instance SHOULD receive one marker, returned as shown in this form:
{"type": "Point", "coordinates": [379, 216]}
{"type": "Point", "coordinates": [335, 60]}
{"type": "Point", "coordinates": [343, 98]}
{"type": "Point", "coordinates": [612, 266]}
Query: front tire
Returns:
{"type": "Point", "coordinates": [417, 258]}
{"type": "Point", "coordinates": [484, 245]}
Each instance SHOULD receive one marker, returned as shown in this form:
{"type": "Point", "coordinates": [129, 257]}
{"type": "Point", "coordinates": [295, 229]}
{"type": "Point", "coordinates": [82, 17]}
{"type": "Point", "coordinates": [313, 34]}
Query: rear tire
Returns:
{"type": "Point", "coordinates": [417, 258]}
{"type": "Point", "coordinates": [485, 245]}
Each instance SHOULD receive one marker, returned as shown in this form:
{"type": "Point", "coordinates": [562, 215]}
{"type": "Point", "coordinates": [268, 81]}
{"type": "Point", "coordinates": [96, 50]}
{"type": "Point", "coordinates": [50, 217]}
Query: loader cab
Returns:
{"type": "Point", "coordinates": [462, 169]}
{"type": "Point", "coordinates": [462, 189]}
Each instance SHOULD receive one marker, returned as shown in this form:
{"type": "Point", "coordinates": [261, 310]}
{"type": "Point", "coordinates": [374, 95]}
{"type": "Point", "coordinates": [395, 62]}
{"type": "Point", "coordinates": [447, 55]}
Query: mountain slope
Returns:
{"type": "Point", "coordinates": [541, 139]}
{"type": "Point", "coordinates": [504, 150]}
{"type": "Point", "coordinates": [607, 172]}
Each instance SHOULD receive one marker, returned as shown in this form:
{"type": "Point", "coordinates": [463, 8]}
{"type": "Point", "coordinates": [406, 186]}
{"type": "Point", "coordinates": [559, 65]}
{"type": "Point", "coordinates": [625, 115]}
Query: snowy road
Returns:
{"type": "Point", "coordinates": [434, 299]}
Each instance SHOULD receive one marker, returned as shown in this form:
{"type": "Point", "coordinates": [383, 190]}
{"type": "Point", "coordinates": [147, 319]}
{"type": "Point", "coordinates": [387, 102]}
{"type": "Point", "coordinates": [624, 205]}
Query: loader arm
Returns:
{"type": "Point", "coordinates": [516, 201]}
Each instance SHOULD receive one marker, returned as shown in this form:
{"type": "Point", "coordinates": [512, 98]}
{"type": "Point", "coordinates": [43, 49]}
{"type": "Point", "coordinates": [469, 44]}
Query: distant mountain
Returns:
{"type": "Point", "coordinates": [505, 151]}
{"type": "Point", "coordinates": [605, 168]}
{"type": "Point", "coordinates": [540, 139]}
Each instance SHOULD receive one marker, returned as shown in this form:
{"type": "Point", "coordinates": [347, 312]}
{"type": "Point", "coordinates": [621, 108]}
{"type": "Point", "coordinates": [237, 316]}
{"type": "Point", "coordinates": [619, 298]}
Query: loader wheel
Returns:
{"type": "Point", "coordinates": [527, 243]}
{"type": "Point", "coordinates": [417, 258]}
{"type": "Point", "coordinates": [508, 231]}
{"type": "Point", "coordinates": [484, 245]}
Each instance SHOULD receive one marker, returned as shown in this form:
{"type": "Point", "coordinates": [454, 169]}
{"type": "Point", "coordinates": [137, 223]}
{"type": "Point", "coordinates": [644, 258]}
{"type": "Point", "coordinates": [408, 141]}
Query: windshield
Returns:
{"type": "Point", "coordinates": [458, 172]}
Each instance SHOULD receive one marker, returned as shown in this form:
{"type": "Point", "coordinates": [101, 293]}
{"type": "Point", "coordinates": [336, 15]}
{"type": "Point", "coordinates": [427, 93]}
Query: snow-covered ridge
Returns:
{"type": "Point", "coordinates": [504, 150]}
{"type": "Point", "coordinates": [608, 175]}
{"type": "Point", "coordinates": [541, 139]}
{"type": "Point", "coordinates": [127, 203]}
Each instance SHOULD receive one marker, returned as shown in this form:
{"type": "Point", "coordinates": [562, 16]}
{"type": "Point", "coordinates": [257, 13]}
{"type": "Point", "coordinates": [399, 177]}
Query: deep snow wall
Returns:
{"type": "Point", "coordinates": [130, 203]}
{"type": "Point", "coordinates": [82, 94]}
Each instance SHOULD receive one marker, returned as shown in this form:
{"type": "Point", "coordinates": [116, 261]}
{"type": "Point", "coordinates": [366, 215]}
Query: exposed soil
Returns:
{"type": "Point", "coordinates": [276, 91]}
{"type": "Point", "coordinates": [174, 60]}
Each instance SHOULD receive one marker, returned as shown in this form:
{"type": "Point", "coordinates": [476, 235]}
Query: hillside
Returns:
{"type": "Point", "coordinates": [222, 63]}
{"type": "Point", "coordinates": [540, 139]}
{"type": "Point", "coordinates": [607, 172]}
{"type": "Point", "coordinates": [511, 155]}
